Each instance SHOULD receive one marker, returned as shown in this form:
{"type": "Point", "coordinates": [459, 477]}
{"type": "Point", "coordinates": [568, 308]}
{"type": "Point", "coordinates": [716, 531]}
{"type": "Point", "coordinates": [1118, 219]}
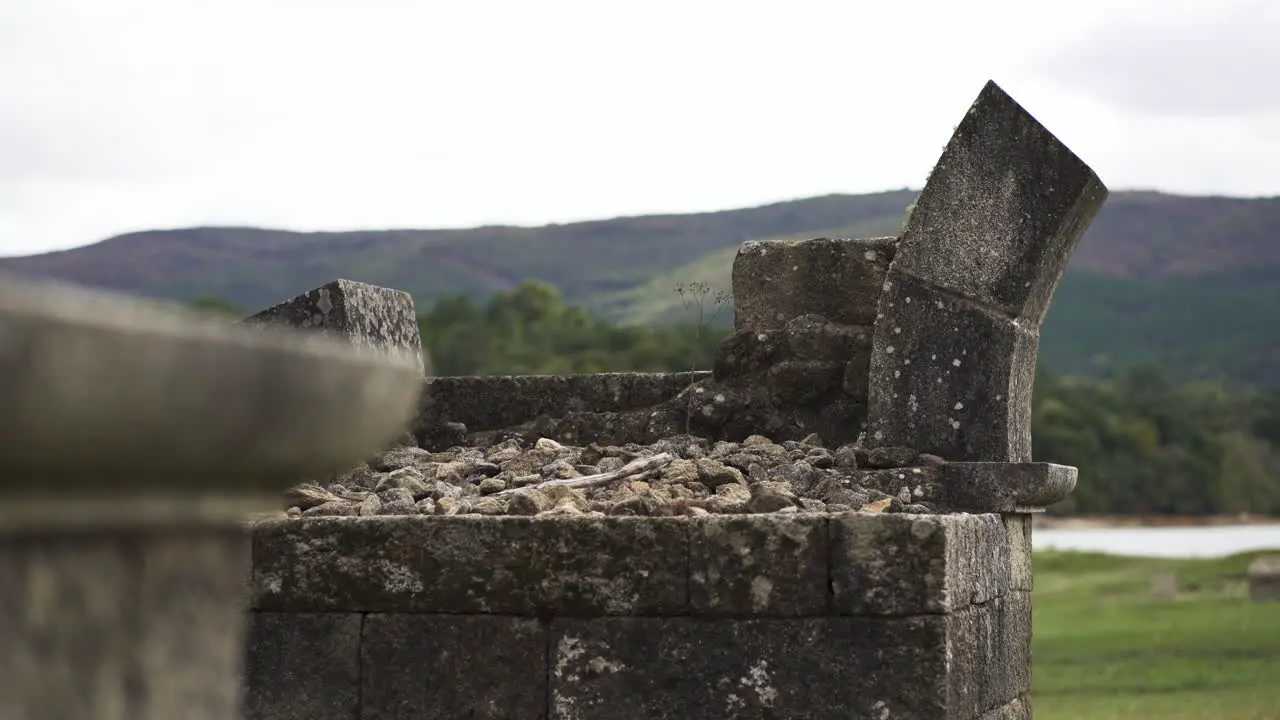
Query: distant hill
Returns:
{"type": "Point", "coordinates": [1190, 282]}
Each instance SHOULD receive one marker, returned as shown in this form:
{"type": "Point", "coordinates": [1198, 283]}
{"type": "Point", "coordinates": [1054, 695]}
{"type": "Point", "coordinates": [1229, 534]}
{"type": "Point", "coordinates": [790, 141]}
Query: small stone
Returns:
{"type": "Point", "coordinates": [756, 441]}
{"type": "Point", "coordinates": [564, 510]}
{"type": "Point", "coordinates": [427, 506]}
{"type": "Point", "coordinates": [491, 485]}
{"type": "Point", "coordinates": [560, 470]}
{"type": "Point", "coordinates": [362, 477]}
{"type": "Point", "coordinates": [930, 460]}
{"type": "Point", "coordinates": [528, 502]}
{"type": "Point", "coordinates": [729, 498]}
{"type": "Point", "coordinates": [846, 457]}
{"type": "Point", "coordinates": [724, 449]}
{"type": "Point", "coordinates": [370, 506]}
{"type": "Point", "coordinates": [294, 512]}
{"type": "Point", "coordinates": [770, 497]}
{"type": "Point", "coordinates": [799, 476]}
{"type": "Point", "coordinates": [645, 504]}
{"type": "Point", "coordinates": [681, 471]}
{"type": "Point", "coordinates": [399, 507]}
{"type": "Point", "coordinates": [408, 478]}
{"type": "Point", "coordinates": [714, 473]}
{"type": "Point", "coordinates": [904, 495]}
{"type": "Point", "coordinates": [918, 509]}
{"type": "Point", "coordinates": [548, 445]}
{"type": "Point", "coordinates": [402, 457]}
{"type": "Point", "coordinates": [396, 494]}
{"type": "Point", "coordinates": [877, 506]}
{"type": "Point", "coordinates": [891, 457]}
{"type": "Point", "coordinates": [520, 481]}
{"type": "Point", "coordinates": [309, 495]}
{"type": "Point", "coordinates": [448, 506]}
{"type": "Point", "coordinates": [820, 458]}
{"type": "Point", "coordinates": [611, 463]}
{"type": "Point", "coordinates": [838, 508]}
{"type": "Point", "coordinates": [812, 440]}
{"type": "Point", "coordinates": [489, 506]}
{"type": "Point", "coordinates": [812, 505]}
{"type": "Point", "coordinates": [335, 508]}
{"type": "Point", "coordinates": [487, 469]}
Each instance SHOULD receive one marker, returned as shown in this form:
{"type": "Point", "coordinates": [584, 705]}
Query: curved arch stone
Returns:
{"type": "Point", "coordinates": [954, 348]}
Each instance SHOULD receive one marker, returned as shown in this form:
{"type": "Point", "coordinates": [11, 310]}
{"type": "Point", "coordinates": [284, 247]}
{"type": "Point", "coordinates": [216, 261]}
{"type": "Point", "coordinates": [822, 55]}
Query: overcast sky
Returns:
{"type": "Point", "coordinates": [122, 115]}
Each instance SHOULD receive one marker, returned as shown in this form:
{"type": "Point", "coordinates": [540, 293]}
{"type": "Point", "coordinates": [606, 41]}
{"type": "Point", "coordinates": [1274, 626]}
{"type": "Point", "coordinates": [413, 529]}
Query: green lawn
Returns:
{"type": "Point", "coordinates": [1105, 648]}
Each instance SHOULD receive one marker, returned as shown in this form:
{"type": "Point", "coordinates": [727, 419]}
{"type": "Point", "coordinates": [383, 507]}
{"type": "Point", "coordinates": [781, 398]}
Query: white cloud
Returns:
{"type": "Point", "coordinates": [136, 114]}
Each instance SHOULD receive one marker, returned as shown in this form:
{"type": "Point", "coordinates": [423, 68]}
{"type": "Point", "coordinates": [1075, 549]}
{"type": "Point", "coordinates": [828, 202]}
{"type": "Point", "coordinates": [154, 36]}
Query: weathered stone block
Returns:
{"type": "Point", "coordinates": [949, 377]}
{"type": "Point", "coordinates": [122, 624]}
{"type": "Point", "coordinates": [900, 565]}
{"type": "Point", "coordinates": [303, 666]}
{"type": "Point", "coordinates": [839, 279]}
{"type": "Point", "coordinates": [473, 564]}
{"type": "Point", "coordinates": [1002, 211]}
{"type": "Point", "coordinates": [693, 668]}
{"type": "Point", "coordinates": [370, 317]}
{"type": "Point", "coordinates": [989, 646]}
{"type": "Point", "coordinates": [453, 666]}
{"type": "Point", "coordinates": [492, 402]}
{"type": "Point", "coordinates": [762, 565]}
{"type": "Point", "coordinates": [1017, 527]}
{"type": "Point", "coordinates": [1005, 487]}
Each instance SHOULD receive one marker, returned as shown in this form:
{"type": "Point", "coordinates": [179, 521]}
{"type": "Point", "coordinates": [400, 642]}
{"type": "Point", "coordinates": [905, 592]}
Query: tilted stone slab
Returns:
{"type": "Point", "coordinates": [902, 565]}
{"type": "Point", "coordinates": [760, 565]}
{"type": "Point", "coordinates": [377, 318]}
{"type": "Point", "coordinates": [1002, 211]}
{"type": "Point", "coordinates": [953, 353]}
{"type": "Point", "coordinates": [303, 666]}
{"type": "Point", "coordinates": [839, 279]}
{"type": "Point", "coordinates": [453, 666]}
{"type": "Point", "coordinates": [473, 564]}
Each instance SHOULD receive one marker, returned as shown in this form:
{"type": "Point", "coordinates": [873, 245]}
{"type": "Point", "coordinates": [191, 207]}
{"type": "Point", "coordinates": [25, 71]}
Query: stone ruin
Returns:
{"type": "Point", "coordinates": [832, 522]}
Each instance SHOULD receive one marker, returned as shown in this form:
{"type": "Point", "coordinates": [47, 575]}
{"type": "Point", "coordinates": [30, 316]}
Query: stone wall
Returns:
{"type": "Point", "coordinates": [764, 616]}
{"type": "Point", "coordinates": [833, 522]}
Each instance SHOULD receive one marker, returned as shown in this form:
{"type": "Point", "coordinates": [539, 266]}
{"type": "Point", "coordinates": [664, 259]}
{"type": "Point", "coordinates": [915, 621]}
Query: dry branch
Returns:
{"type": "Point", "coordinates": [643, 466]}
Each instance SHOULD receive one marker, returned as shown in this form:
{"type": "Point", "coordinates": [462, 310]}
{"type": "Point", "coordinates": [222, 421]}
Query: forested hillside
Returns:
{"type": "Point", "coordinates": [1189, 283]}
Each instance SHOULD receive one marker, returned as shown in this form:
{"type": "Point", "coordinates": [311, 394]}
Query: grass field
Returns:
{"type": "Point", "coordinates": [1106, 649]}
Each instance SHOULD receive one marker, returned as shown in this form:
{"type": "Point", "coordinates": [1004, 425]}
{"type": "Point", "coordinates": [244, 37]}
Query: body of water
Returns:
{"type": "Point", "coordinates": [1171, 542]}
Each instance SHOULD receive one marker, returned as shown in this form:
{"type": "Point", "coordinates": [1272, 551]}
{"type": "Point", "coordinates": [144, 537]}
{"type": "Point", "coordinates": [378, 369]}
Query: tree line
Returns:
{"type": "Point", "coordinates": [1144, 444]}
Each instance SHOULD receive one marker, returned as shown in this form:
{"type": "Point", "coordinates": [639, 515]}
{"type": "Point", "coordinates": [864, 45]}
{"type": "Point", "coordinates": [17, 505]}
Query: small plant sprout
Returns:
{"type": "Point", "coordinates": [694, 296]}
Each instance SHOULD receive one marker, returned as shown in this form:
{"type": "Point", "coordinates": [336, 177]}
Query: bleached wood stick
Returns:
{"type": "Point", "coordinates": [635, 467]}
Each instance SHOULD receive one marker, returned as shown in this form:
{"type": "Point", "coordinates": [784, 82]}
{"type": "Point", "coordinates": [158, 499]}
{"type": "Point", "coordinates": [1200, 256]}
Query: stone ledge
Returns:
{"type": "Point", "coordinates": [815, 565]}
{"type": "Point", "coordinates": [1005, 487]}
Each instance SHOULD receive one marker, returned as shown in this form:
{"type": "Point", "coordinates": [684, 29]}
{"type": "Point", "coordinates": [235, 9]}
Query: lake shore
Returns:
{"type": "Point", "coordinates": [1090, 522]}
